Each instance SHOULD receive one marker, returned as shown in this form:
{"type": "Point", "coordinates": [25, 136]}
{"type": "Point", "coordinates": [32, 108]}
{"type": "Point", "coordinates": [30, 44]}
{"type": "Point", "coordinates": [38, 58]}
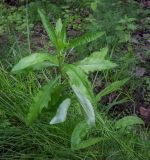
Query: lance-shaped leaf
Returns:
{"type": "Point", "coordinates": [41, 101]}
{"type": "Point", "coordinates": [35, 61]}
{"type": "Point", "coordinates": [61, 112]}
{"type": "Point", "coordinates": [78, 78]}
{"type": "Point", "coordinates": [48, 27]}
{"type": "Point", "coordinates": [60, 30]}
{"type": "Point", "coordinates": [89, 142]}
{"type": "Point", "coordinates": [111, 88]}
{"type": "Point", "coordinates": [100, 54]}
{"type": "Point", "coordinates": [82, 88]}
{"type": "Point", "coordinates": [78, 134]}
{"type": "Point", "coordinates": [96, 62]}
{"type": "Point", "coordinates": [58, 27]}
{"type": "Point", "coordinates": [64, 35]}
{"type": "Point", "coordinates": [86, 105]}
{"type": "Point", "coordinates": [128, 121]}
{"type": "Point", "coordinates": [85, 39]}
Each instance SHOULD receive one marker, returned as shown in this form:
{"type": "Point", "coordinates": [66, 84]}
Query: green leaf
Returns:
{"type": "Point", "coordinates": [78, 134]}
{"type": "Point", "coordinates": [96, 62]}
{"type": "Point", "coordinates": [128, 121]}
{"type": "Point", "coordinates": [59, 27]}
{"type": "Point", "coordinates": [61, 44]}
{"type": "Point", "coordinates": [86, 105]}
{"type": "Point", "coordinates": [41, 101]}
{"type": "Point", "coordinates": [85, 39]}
{"type": "Point", "coordinates": [89, 142]}
{"type": "Point", "coordinates": [64, 35]}
{"type": "Point", "coordinates": [61, 112]}
{"type": "Point", "coordinates": [48, 27]}
{"type": "Point", "coordinates": [78, 78]}
{"type": "Point", "coordinates": [35, 61]}
{"type": "Point", "coordinates": [111, 88]}
{"type": "Point", "coordinates": [100, 54]}
{"type": "Point", "coordinates": [94, 6]}
{"type": "Point", "coordinates": [81, 86]}
{"type": "Point", "coordinates": [61, 35]}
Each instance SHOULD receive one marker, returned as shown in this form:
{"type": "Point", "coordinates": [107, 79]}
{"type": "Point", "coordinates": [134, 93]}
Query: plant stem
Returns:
{"type": "Point", "coordinates": [60, 60]}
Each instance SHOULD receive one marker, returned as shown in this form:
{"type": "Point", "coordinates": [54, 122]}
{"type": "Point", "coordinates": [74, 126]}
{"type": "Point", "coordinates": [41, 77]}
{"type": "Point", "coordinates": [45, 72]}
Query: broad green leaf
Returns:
{"type": "Point", "coordinates": [48, 27]}
{"type": "Point", "coordinates": [78, 78]}
{"type": "Point", "coordinates": [59, 27]}
{"type": "Point", "coordinates": [61, 35]}
{"type": "Point", "coordinates": [91, 64]}
{"type": "Point", "coordinates": [79, 133]}
{"type": "Point", "coordinates": [85, 39]}
{"type": "Point", "coordinates": [61, 112]}
{"type": "Point", "coordinates": [89, 142]}
{"type": "Point", "coordinates": [86, 105]}
{"type": "Point", "coordinates": [111, 88]}
{"type": "Point", "coordinates": [96, 62]}
{"type": "Point", "coordinates": [41, 101]}
{"type": "Point", "coordinates": [100, 54]}
{"type": "Point", "coordinates": [35, 61]}
{"type": "Point", "coordinates": [81, 86]}
{"type": "Point", "coordinates": [128, 121]}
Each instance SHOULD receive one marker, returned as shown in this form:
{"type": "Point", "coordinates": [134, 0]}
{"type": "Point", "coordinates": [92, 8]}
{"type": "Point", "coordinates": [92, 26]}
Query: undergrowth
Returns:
{"type": "Point", "coordinates": [42, 141]}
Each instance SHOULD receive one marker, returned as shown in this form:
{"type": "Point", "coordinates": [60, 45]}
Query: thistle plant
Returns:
{"type": "Point", "coordinates": [76, 76]}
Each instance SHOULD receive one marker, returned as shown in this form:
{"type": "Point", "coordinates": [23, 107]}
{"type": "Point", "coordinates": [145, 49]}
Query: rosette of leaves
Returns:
{"type": "Point", "coordinates": [75, 74]}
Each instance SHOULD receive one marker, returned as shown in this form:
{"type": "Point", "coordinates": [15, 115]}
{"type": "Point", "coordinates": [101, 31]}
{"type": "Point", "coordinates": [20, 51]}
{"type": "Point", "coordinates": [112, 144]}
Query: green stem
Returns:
{"type": "Point", "coordinates": [61, 61]}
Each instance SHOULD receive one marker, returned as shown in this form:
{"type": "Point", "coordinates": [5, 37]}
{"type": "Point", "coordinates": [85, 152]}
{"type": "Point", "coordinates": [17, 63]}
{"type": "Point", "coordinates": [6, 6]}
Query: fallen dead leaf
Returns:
{"type": "Point", "coordinates": [145, 113]}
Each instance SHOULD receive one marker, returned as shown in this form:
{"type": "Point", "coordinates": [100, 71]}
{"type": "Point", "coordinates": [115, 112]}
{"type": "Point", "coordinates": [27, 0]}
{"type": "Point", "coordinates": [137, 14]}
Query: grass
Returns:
{"type": "Point", "coordinates": [44, 141]}
{"type": "Point", "coordinates": [17, 140]}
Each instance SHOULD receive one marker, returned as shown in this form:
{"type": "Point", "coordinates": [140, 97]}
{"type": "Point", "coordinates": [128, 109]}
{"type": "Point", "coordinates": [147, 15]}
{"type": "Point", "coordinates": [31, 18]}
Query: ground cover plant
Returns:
{"type": "Point", "coordinates": [75, 76]}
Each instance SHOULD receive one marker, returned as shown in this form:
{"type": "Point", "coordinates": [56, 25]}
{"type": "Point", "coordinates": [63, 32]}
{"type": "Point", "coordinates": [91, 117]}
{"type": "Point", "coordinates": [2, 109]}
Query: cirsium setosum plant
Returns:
{"type": "Point", "coordinates": [76, 75]}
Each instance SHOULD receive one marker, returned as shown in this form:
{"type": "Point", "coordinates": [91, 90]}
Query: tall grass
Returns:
{"type": "Point", "coordinates": [43, 141]}
{"type": "Point", "coordinates": [19, 141]}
